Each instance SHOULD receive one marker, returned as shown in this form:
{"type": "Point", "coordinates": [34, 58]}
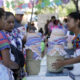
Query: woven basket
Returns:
{"type": "Point", "coordinates": [51, 60]}
{"type": "Point", "coordinates": [32, 66]}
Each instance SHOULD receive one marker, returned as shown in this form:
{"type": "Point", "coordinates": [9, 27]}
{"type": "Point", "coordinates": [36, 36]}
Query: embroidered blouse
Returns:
{"type": "Point", "coordinates": [4, 42]}
{"type": "Point", "coordinates": [76, 42]}
{"type": "Point", "coordinates": [15, 37]}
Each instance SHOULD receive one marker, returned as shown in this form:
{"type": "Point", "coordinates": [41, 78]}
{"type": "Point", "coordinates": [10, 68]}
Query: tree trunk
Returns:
{"type": "Point", "coordinates": [32, 11]}
{"type": "Point", "coordinates": [76, 4]}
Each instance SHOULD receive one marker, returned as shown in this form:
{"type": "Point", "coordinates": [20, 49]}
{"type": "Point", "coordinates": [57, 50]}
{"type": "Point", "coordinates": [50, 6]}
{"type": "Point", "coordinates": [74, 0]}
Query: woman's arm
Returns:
{"type": "Point", "coordinates": [61, 63]}
{"type": "Point", "coordinates": [7, 61]}
{"type": "Point", "coordinates": [72, 61]}
{"type": "Point", "coordinates": [24, 40]}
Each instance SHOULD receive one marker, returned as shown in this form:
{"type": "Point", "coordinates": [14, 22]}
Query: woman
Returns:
{"type": "Point", "coordinates": [46, 28]}
{"type": "Point", "coordinates": [6, 58]}
{"type": "Point", "coordinates": [74, 26]}
{"type": "Point", "coordinates": [14, 35]}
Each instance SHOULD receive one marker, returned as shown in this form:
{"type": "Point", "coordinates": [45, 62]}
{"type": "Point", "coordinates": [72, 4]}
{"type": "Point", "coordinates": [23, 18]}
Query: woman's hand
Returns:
{"type": "Point", "coordinates": [59, 63]}
{"type": "Point", "coordinates": [7, 60]}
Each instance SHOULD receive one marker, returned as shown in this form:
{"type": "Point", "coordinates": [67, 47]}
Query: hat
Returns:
{"type": "Point", "coordinates": [19, 11]}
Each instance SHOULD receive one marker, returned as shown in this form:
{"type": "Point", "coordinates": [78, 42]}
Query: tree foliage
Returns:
{"type": "Point", "coordinates": [76, 4]}
{"type": "Point", "coordinates": [63, 10]}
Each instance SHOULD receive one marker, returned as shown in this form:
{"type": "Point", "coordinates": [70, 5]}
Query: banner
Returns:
{"type": "Point", "coordinates": [25, 5]}
{"type": "Point", "coordinates": [40, 1]}
{"type": "Point", "coordinates": [42, 4]}
{"type": "Point", "coordinates": [30, 5]}
{"type": "Point", "coordinates": [65, 1]}
{"type": "Point", "coordinates": [58, 2]}
{"type": "Point", "coordinates": [1, 3]}
{"type": "Point", "coordinates": [36, 1]}
{"type": "Point", "coordinates": [52, 4]}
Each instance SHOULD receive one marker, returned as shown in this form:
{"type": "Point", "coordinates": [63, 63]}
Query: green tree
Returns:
{"type": "Point", "coordinates": [13, 4]}
{"type": "Point", "coordinates": [43, 4]}
{"type": "Point", "coordinates": [7, 4]}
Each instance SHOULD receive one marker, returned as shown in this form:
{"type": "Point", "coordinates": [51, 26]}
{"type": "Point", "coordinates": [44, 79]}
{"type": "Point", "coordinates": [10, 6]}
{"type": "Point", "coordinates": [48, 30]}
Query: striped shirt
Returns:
{"type": "Point", "coordinates": [4, 42]}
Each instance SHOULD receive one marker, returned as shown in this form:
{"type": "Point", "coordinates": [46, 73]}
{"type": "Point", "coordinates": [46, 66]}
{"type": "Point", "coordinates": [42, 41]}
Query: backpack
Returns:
{"type": "Point", "coordinates": [19, 57]}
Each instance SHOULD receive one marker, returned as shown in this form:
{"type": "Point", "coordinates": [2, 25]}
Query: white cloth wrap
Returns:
{"type": "Point", "coordinates": [34, 44]}
{"type": "Point", "coordinates": [56, 44]}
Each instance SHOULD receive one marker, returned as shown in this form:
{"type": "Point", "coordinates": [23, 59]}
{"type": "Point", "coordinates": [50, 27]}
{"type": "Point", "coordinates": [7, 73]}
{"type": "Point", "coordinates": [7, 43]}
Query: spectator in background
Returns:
{"type": "Point", "coordinates": [59, 24]}
{"type": "Point", "coordinates": [41, 31]}
{"type": "Point", "coordinates": [18, 18]}
{"type": "Point", "coordinates": [51, 23]}
{"type": "Point", "coordinates": [65, 23]}
{"type": "Point", "coordinates": [31, 26]}
{"type": "Point", "coordinates": [46, 28]}
{"type": "Point", "coordinates": [55, 24]}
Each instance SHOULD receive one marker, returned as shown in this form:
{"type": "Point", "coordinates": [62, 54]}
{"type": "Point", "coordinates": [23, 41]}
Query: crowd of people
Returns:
{"type": "Point", "coordinates": [14, 36]}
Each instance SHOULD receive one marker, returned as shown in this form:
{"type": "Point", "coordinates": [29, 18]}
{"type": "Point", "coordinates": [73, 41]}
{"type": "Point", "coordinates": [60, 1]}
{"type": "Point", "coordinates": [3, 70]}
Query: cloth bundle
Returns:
{"type": "Point", "coordinates": [56, 42]}
{"type": "Point", "coordinates": [56, 50]}
{"type": "Point", "coordinates": [34, 44]}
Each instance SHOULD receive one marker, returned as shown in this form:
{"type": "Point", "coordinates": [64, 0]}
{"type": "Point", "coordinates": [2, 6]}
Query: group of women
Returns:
{"type": "Point", "coordinates": [9, 35]}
